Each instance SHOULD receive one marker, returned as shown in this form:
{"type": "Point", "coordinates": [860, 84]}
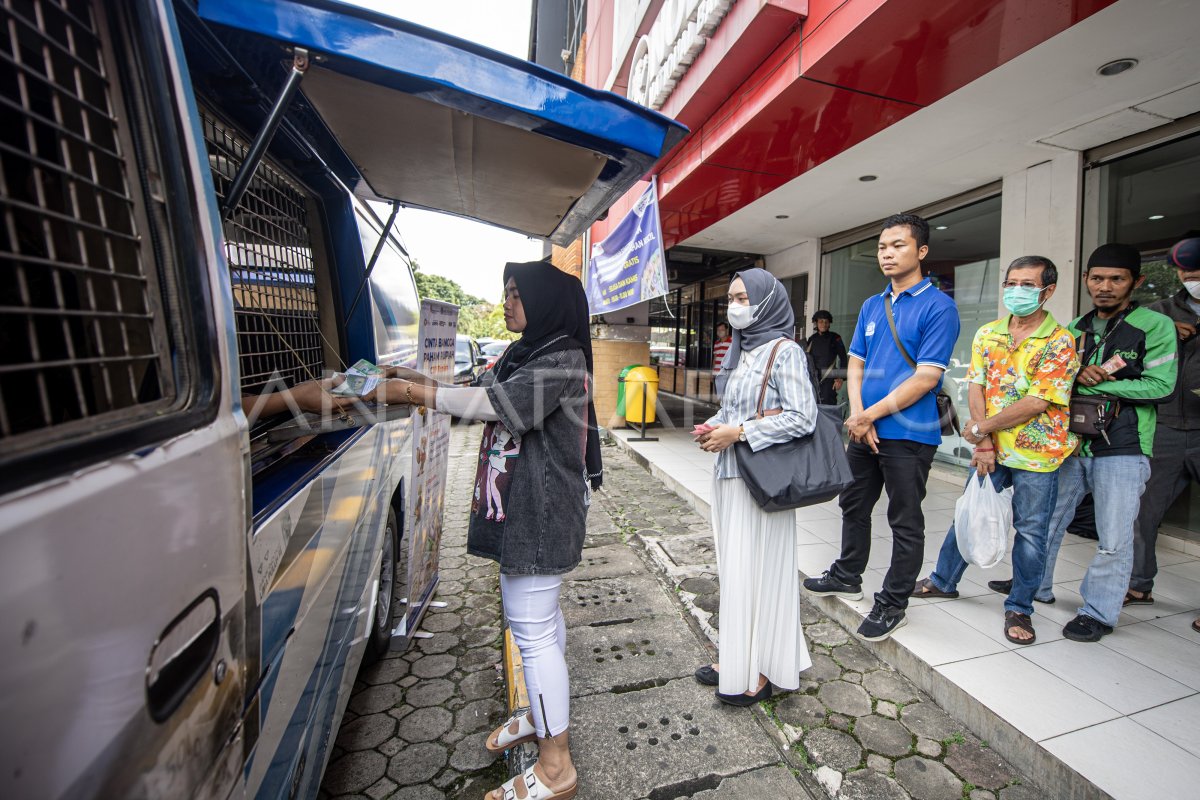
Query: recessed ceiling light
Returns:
{"type": "Point", "coordinates": [941, 227]}
{"type": "Point", "coordinates": [868, 178]}
{"type": "Point", "coordinates": [781, 216]}
{"type": "Point", "coordinates": [1155, 216]}
{"type": "Point", "coordinates": [1116, 67]}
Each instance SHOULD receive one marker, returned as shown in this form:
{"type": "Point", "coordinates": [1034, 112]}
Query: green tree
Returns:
{"type": "Point", "coordinates": [435, 287]}
{"type": "Point", "coordinates": [483, 320]}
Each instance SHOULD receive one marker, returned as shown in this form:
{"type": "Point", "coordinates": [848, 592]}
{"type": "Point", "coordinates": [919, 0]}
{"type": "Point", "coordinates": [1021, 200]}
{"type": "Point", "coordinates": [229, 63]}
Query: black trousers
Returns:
{"type": "Point", "coordinates": [902, 467]}
{"type": "Point", "coordinates": [828, 394]}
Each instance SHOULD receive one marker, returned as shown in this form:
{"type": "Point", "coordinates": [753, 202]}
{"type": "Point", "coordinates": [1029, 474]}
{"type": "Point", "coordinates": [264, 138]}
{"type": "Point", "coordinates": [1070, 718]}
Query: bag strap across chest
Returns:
{"type": "Point", "coordinates": [762, 391]}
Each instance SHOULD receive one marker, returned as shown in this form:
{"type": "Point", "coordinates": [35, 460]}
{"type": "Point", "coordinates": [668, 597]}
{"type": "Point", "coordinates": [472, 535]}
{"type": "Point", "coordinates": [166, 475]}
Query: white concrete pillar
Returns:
{"type": "Point", "coordinates": [1041, 209]}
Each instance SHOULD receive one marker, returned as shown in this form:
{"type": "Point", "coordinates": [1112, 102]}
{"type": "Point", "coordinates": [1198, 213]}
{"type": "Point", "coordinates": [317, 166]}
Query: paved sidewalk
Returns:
{"type": "Point", "coordinates": [1086, 720]}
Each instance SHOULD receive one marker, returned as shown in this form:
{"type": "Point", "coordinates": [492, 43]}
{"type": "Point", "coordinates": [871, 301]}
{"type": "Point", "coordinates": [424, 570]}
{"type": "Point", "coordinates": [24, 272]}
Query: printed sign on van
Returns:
{"type": "Point", "coordinates": [629, 266]}
{"type": "Point", "coordinates": [430, 457]}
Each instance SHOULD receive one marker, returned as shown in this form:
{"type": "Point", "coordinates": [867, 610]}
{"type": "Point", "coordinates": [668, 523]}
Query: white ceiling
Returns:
{"type": "Point", "coordinates": [1018, 115]}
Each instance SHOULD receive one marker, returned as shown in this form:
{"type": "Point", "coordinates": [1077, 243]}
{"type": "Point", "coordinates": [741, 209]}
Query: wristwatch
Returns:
{"type": "Point", "coordinates": [741, 433]}
{"type": "Point", "coordinates": [975, 430]}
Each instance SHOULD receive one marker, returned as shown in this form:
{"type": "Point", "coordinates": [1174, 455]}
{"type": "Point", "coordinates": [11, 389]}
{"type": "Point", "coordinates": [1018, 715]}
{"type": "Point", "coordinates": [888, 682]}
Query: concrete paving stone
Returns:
{"type": "Point", "coordinates": [845, 698]}
{"type": "Point", "coordinates": [437, 644]}
{"type": "Point", "coordinates": [485, 586]}
{"type": "Point", "coordinates": [354, 772]}
{"type": "Point", "coordinates": [832, 748]}
{"type": "Point", "coordinates": [408, 680]}
{"type": "Point", "coordinates": [617, 656]}
{"type": "Point", "coordinates": [691, 550]}
{"type": "Point", "coordinates": [425, 725]}
{"type": "Point", "coordinates": [853, 655]}
{"type": "Point", "coordinates": [665, 736]}
{"type": "Point", "coordinates": [801, 711]}
{"type": "Point", "coordinates": [450, 588]}
{"type": "Point", "coordinates": [388, 670]}
{"type": "Point", "coordinates": [887, 685]}
{"type": "Point", "coordinates": [479, 685]}
{"type": "Point", "coordinates": [866, 784]}
{"type": "Point", "coordinates": [609, 561]}
{"type": "Point", "coordinates": [417, 763]}
{"type": "Point", "coordinates": [823, 669]}
{"type": "Point", "coordinates": [981, 794]}
{"type": "Point", "coordinates": [602, 539]}
{"type": "Point", "coordinates": [478, 637]}
{"type": "Point", "coordinates": [930, 748]}
{"type": "Point", "coordinates": [432, 692]}
{"type": "Point", "coordinates": [810, 614]}
{"type": "Point", "coordinates": [384, 788]}
{"type": "Point", "coordinates": [879, 763]}
{"type": "Point", "coordinates": [609, 600]}
{"type": "Point", "coordinates": [481, 617]}
{"type": "Point", "coordinates": [839, 721]}
{"type": "Point", "coordinates": [366, 732]}
{"type": "Point", "coordinates": [884, 736]}
{"type": "Point", "coordinates": [886, 708]}
{"type": "Point", "coordinates": [777, 783]}
{"type": "Point", "coordinates": [827, 633]}
{"type": "Point", "coordinates": [391, 747]}
{"type": "Point", "coordinates": [374, 699]}
{"type": "Point", "coordinates": [927, 780]}
{"type": "Point", "coordinates": [444, 779]}
{"type": "Point", "coordinates": [978, 765]}
{"type": "Point", "coordinates": [440, 621]}
{"type": "Point", "coordinates": [1021, 791]}
{"type": "Point", "coordinates": [929, 721]}
{"type": "Point", "coordinates": [434, 666]}
{"type": "Point", "coordinates": [453, 602]}
{"type": "Point", "coordinates": [480, 715]}
{"type": "Point", "coordinates": [470, 755]}
{"type": "Point", "coordinates": [829, 779]}
{"type": "Point", "coordinates": [418, 793]}
{"type": "Point", "coordinates": [400, 711]}
{"type": "Point", "coordinates": [479, 658]}
{"type": "Point", "coordinates": [482, 568]}
{"type": "Point", "coordinates": [708, 602]}
{"type": "Point", "coordinates": [852, 677]}
{"type": "Point", "coordinates": [699, 585]}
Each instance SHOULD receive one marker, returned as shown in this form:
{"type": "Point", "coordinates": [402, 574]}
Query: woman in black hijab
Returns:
{"type": "Point", "coordinates": [538, 464]}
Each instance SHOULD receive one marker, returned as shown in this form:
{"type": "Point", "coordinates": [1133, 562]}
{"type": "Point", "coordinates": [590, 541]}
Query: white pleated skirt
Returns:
{"type": "Point", "coordinates": [760, 628]}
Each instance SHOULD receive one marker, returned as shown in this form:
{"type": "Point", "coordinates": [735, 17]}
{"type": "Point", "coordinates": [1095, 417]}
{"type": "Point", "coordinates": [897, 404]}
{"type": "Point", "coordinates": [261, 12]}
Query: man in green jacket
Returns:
{"type": "Point", "coordinates": [1127, 355]}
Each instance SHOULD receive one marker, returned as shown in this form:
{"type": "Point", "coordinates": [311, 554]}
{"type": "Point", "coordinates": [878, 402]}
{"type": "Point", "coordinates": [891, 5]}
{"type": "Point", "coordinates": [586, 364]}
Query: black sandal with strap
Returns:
{"type": "Point", "coordinates": [927, 589]}
{"type": "Point", "coordinates": [1014, 619]}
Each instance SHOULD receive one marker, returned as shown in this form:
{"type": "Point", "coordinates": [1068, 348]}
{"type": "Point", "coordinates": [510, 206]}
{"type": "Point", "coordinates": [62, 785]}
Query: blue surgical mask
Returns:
{"type": "Point", "coordinates": [1022, 300]}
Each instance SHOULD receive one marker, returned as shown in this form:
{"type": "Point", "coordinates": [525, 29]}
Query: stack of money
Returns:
{"type": "Point", "coordinates": [360, 379]}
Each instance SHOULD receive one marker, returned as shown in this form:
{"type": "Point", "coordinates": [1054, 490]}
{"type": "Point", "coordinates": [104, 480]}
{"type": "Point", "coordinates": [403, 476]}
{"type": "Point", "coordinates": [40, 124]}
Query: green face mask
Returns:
{"type": "Point", "coordinates": [1022, 300]}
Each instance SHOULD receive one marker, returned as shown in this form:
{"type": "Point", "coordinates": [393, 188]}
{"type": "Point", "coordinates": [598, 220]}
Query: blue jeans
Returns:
{"type": "Point", "coordinates": [1034, 496]}
{"type": "Point", "coordinates": [1116, 484]}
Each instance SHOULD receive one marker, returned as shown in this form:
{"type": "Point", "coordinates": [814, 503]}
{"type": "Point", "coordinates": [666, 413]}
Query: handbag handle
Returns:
{"type": "Point", "coordinates": [762, 392]}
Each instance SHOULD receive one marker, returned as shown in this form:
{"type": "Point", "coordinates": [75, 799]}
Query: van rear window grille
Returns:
{"type": "Point", "coordinates": [269, 250]}
{"type": "Point", "coordinates": [80, 327]}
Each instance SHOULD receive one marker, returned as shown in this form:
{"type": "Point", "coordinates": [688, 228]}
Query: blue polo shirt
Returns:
{"type": "Point", "coordinates": [927, 322]}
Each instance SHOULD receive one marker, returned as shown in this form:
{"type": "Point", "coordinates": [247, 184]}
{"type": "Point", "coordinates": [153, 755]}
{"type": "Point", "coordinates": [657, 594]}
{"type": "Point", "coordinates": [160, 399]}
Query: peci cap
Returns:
{"type": "Point", "coordinates": [1115, 255]}
{"type": "Point", "coordinates": [1185, 255]}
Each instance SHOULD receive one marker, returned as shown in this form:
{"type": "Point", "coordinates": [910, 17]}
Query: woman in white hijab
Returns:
{"type": "Point", "coordinates": [761, 638]}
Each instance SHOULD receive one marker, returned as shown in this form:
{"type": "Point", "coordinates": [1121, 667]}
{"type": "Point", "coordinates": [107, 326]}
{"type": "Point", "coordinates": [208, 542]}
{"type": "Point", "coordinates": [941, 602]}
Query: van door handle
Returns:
{"type": "Point", "coordinates": [182, 654]}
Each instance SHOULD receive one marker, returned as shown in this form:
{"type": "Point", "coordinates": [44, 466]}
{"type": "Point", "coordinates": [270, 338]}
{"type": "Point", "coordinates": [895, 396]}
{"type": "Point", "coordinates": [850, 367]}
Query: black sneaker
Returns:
{"type": "Point", "coordinates": [827, 585]}
{"type": "Point", "coordinates": [1086, 629]}
{"type": "Point", "coordinates": [1005, 588]}
{"type": "Point", "coordinates": [881, 623]}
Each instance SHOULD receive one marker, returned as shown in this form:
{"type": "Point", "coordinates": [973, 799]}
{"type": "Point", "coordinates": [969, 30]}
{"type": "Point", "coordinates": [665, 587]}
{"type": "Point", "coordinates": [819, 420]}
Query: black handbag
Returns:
{"type": "Point", "coordinates": [947, 413]}
{"type": "Point", "coordinates": [799, 472]}
{"type": "Point", "coordinates": [1091, 415]}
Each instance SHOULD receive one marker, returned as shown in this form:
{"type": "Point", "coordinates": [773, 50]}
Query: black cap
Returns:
{"type": "Point", "coordinates": [1115, 255]}
{"type": "Point", "coordinates": [822, 314]}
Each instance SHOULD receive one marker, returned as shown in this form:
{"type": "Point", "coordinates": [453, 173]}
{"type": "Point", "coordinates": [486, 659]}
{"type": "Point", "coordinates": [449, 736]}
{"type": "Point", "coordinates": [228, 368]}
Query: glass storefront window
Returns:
{"type": "Point", "coordinates": [963, 261]}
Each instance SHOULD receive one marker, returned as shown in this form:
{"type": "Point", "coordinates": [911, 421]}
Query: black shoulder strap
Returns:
{"type": "Point", "coordinates": [887, 304]}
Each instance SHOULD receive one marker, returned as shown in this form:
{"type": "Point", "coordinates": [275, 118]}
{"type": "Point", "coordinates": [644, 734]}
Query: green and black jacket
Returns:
{"type": "Point", "coordinates": [1146, 340]}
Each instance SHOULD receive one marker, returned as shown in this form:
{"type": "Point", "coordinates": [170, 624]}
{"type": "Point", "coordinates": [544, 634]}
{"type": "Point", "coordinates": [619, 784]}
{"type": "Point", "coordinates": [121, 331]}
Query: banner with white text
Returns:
{"type": "Point", "coordinates": [629, 266]}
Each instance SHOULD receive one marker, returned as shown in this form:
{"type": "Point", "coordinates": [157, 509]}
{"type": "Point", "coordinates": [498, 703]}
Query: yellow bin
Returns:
{"type": "Point", "coordinates": [641, 381]}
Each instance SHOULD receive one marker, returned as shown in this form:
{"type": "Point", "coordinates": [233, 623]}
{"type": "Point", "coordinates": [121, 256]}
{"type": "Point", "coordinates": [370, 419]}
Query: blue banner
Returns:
{"type": "Point", "coordinates": [629, 266]}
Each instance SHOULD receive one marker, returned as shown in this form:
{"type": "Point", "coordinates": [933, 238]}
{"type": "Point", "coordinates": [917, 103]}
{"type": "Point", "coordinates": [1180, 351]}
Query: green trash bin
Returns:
{"type": "Point", "coordinates": [641, 395]}
{"type": "Point", "coordinates": [621, 388]}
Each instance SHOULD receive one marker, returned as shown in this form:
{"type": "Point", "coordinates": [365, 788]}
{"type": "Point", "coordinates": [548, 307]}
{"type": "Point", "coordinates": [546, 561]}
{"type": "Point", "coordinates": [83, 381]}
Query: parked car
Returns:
{"type": "Point", "coordinates": [494, 350]}
{"type": "Point", "coordinates": [469, 363]}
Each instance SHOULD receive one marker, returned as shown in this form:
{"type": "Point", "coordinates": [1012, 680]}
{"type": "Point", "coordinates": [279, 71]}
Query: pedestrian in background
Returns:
{"type": "Point", "coordinates": [1127, 356]}
{"type": "Point", "coordinates": [894, 422]}
{"type": "Point", "coordinates": [538, 463]}
{"type": "Point", "coordinates": [1022, 369]}
{"type": "Point", "coordinates": [762, 638]}
{"type": "Point", "coordinates": [1176, 460]}
{"type": "Point", "coordinates": [720, 347]}
{"type": "Point", "coordinates": [828, 354]}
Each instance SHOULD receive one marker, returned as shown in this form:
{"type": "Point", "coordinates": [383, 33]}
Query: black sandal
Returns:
{"type": "Point", "coordinates": [926, 588]}
{"type": "Point", "coordinates": [1013, 619]}
{"type": "Point", "coordinates": [1131, 599]}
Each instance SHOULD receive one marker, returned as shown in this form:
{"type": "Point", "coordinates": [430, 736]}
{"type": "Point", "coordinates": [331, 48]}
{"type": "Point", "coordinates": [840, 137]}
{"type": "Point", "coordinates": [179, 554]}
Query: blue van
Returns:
{"type": "Point", "coordinates": [188, 594]}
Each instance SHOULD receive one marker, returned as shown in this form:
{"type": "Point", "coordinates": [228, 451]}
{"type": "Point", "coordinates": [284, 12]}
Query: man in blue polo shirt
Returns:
{"type": "Point", "coordinates": [893, 424]}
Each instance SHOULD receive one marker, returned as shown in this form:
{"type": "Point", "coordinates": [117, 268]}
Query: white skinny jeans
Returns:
{"type": "Point", "coordinates": [536, 621]}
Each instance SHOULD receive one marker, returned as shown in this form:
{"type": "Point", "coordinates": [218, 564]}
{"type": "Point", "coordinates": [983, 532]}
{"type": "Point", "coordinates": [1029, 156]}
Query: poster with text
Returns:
{"type": "Point", "coordinates": [430, 456]}
{"type": "Point", "coordinates": [629, 266]}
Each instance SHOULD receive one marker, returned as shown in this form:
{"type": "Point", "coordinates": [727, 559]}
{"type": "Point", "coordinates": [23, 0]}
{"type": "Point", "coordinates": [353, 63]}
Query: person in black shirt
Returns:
{"type": "Point", "coordinates": [828, 354]}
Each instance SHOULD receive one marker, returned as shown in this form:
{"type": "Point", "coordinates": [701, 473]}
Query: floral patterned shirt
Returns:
{"type": "Point", "coordinates": [1043, 365]}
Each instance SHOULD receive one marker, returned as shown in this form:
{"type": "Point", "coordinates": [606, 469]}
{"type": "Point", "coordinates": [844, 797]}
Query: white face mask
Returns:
{"type": "Point", "coordinates": [1193, 288]}
{"type": "Point", "coordinates": [740, 316]}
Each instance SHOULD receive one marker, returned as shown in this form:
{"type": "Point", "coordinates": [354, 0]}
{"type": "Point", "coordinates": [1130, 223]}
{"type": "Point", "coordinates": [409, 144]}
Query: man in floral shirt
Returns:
{"type": "Point", "coordinates": [1022, 369]}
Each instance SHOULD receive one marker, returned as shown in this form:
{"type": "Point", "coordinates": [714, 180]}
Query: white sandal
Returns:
{"type": "Point", "coordinates": [502, 739]}
{"type": "Point", "coordinates": [535, 789]}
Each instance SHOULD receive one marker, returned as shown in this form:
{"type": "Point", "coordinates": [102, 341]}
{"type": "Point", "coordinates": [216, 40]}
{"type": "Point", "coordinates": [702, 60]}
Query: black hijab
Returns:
{"type": "Point", "coordinates": [556, 318]}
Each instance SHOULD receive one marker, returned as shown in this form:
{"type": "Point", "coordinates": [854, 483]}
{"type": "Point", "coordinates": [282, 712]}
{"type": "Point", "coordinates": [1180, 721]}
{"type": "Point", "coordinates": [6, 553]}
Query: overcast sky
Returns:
{"type": "Point", "coordinates": [470, 253]}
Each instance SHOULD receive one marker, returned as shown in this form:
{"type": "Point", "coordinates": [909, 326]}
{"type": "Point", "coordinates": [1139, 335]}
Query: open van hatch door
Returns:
{"type": "Point", "coordinates": [436, 122]}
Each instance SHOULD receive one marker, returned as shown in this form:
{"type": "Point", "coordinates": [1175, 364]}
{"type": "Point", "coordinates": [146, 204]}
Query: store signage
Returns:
{"type": "Point", "coordinates": [629, 266]}
{"type": "Point", "coordinates": [663, 55]}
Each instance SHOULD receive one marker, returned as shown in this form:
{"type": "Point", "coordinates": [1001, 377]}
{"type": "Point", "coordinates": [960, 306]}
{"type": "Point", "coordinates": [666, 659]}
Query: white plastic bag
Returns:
{"type": "Point", "coordinates": [982, 517]}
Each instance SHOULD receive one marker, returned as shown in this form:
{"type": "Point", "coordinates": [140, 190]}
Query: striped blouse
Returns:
{"type": "Point", "coordinates": [789, 388]}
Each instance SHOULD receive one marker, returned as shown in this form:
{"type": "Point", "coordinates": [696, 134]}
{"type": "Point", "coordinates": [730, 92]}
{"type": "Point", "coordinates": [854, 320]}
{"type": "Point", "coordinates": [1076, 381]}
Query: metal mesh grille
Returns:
{"type": "Point", "coordinates": [77, 314]}
{"type": "Point", "coordinates": [270, 258]}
